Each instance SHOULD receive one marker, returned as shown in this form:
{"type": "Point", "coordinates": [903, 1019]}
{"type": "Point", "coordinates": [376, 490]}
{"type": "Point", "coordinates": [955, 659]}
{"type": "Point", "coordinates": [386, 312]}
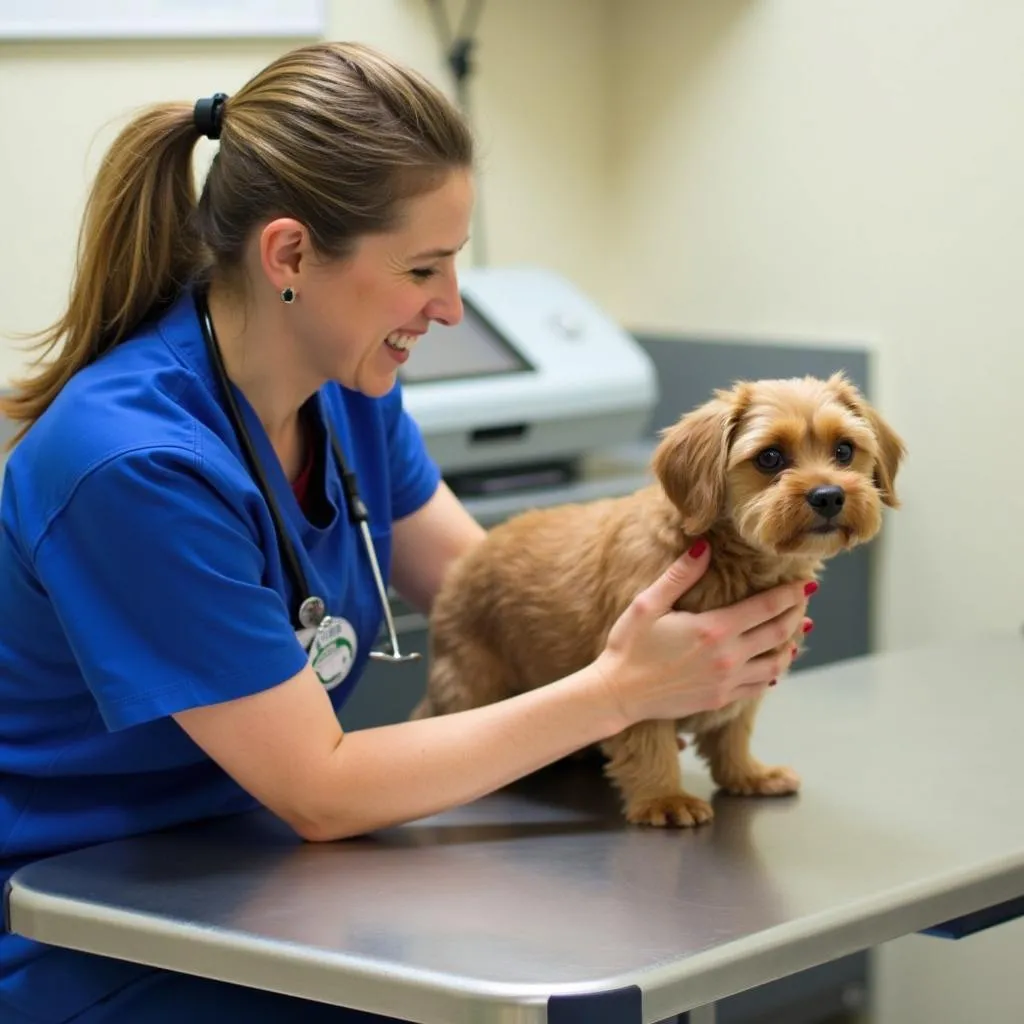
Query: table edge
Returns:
{"type": "Point", "coordinates": [425, 996]}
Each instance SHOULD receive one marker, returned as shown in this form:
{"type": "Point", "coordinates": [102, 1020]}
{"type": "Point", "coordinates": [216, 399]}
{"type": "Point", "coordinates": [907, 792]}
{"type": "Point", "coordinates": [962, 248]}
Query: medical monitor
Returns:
{"type": "Point", "coordinates": [470, 348]}
{"type": "Point", "coordinates": [534, 373]}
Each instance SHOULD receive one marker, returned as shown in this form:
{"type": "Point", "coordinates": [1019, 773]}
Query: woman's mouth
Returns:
{"type": "Point", "coordinates": [399, 344]}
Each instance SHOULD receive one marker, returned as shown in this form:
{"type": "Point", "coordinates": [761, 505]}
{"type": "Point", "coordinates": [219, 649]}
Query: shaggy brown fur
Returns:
{"type": "Point", "coordinates": [535, 601]}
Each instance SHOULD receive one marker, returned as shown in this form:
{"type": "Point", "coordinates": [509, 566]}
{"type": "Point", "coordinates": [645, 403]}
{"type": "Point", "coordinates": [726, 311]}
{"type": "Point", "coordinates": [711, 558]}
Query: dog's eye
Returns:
{"type": "Point", "coordinates": [770, 460]}
{"type": "Point", "coordinates": [844, 453]}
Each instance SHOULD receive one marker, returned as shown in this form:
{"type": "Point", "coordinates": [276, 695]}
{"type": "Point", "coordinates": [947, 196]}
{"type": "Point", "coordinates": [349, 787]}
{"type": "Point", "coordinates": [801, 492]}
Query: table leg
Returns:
{"type": "Point", "coordinates": [701, 1015]}
{"type": "Point", "coordinates": [616, 1006]}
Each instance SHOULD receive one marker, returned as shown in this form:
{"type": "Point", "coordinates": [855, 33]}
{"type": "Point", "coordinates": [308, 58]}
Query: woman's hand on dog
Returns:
{"type": "Point", "coordinates": [662, 664]}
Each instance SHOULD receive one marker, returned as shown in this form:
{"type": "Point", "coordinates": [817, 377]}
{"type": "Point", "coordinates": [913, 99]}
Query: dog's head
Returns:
{"type": "Point", "coordinates": [799, 466]}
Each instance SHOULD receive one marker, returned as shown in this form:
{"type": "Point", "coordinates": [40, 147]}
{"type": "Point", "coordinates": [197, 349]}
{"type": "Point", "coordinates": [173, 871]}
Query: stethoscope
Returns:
{"type": "Point", "coordinates": [311, 611]}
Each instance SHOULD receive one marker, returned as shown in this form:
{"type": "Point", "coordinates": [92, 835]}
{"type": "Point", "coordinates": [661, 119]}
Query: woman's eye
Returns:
{"type": "Point", "coordinates": [770, 460]}
{"type": "Point", "coordinates": [423, 273]}
{"type": "Point", "coordinates": [844, 453]}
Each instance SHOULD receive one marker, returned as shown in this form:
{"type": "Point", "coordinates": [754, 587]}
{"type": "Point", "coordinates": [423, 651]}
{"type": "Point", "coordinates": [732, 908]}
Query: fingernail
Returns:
{"type": "Point", "coordinates": [810, 588]}
{"type": "Point", "coordinates": [697, 548]}
{"type": "Point", "coordinates": [808, 626]}
{"type": "Point", "coordinates": [794, 651]}
{"type": "Point", "coordinates": [773, 682]}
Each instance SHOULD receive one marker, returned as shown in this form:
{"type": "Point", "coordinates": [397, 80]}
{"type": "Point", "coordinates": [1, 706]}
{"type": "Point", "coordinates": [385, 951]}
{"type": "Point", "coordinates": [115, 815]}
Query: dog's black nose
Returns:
{"type": "Point", "coordinates": [827, 501]}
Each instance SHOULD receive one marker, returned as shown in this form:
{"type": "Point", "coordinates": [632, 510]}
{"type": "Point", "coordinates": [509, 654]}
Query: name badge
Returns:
{"type": "Point", "coordinates": [332, 649]}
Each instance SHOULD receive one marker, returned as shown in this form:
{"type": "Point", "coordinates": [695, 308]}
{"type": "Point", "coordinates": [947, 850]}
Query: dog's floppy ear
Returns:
{"type": "Point", "coordinates": [691, 460]}
{"type": "Point", "coordinates": [891, 449]}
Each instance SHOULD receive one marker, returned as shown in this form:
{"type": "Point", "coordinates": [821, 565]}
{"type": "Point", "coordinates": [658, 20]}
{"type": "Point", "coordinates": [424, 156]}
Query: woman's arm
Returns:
{"type": "Point", "coordinates": [427, 542]}
{"type": "Point", "coordinates": [285, 746]}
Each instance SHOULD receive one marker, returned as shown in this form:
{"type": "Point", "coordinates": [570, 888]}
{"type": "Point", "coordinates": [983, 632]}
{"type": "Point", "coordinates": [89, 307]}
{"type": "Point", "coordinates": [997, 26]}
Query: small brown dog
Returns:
{"type": "Point", "coordinates": [778, 475]}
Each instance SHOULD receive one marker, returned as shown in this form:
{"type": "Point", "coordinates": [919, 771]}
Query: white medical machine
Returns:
{"type": "Point", "coordinates": [534, 377]}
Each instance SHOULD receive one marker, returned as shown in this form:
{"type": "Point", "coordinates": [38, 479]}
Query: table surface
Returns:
{"type": "Point", "coordinates": [910, 815]}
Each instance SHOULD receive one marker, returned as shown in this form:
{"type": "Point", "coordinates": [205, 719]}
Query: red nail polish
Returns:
{"type": "Point", "coordinates": [773, 682]}
{"type": "Point", "coordinates": [697, 548]}
{"type": "Point", "coordinates": [794, 651]}
{"type": "Point", "coordinates": [810, 588]}
{"type": "Point", "coordinates": [808, 626]}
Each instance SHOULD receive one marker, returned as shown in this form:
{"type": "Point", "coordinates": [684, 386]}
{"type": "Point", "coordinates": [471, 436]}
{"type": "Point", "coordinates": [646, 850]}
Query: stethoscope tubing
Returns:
{"type": "Point", "coordinates": [307, 610]}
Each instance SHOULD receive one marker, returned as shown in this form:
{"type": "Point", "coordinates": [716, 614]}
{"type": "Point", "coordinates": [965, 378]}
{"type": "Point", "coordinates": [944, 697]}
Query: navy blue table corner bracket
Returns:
{"type": "Point", "coordinates": [616, 1006]}
{"type": "Point", "coordinates": [978, 921]}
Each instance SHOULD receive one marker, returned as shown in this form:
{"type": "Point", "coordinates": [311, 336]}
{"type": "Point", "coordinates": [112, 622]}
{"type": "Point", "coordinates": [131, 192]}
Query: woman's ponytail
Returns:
{"type": "Point", "coordinates": [137, 247]}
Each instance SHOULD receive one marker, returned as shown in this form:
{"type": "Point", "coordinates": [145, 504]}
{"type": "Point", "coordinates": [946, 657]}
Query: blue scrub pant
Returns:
{"type": "Point", "coordinates": [168, 998]}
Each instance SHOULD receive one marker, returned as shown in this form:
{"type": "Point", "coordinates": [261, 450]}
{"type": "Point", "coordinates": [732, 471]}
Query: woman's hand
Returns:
{"type": "Point", "coordinates": [660, 664]}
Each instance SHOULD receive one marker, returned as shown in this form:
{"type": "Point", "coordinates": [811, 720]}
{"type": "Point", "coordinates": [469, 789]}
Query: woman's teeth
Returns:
{"type": "Point", "coordinates": [400, 342]}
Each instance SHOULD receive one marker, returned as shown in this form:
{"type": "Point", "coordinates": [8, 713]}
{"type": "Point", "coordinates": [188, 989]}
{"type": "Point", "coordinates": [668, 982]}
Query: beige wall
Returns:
{"type": "Point", "coordinates": [818, 169]}
{"type": "Point", "coordinates": [851, 171]}
{"type": "Point", "coordinates": [538, 102]}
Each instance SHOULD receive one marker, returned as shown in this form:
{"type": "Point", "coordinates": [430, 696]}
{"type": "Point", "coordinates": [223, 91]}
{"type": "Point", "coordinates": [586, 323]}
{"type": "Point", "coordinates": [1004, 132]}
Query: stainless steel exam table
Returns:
{"type": "Point", "coordinates": [539, 904]}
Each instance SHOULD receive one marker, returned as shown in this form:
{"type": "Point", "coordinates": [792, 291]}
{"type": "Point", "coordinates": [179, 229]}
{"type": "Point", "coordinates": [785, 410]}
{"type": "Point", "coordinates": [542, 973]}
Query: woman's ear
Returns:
{"type": "Point", "coordinates": [691, 459]}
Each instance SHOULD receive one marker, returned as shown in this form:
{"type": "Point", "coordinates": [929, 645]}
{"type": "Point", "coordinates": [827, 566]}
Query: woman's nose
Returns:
{"type": "Point", "coordinates": [446, 308]}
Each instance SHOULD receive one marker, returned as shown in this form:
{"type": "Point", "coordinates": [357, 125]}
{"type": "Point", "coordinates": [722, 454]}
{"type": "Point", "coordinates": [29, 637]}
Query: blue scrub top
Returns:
{"type": "Point", "coordinates": [139, 576]}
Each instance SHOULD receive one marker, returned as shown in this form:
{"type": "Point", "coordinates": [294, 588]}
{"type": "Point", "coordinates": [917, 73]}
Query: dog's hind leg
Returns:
{"type": "Point", "coordinates": [643, 763]}
{"type": "Point", "coordinates": [424, 709]}
{"type": "Point", "coordinates": [463, 677]}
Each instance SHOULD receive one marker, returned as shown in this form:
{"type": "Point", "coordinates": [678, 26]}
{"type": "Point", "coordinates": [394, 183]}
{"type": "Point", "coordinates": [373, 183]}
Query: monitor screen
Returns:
{"type": "Point", "coordinates": [471, 348]}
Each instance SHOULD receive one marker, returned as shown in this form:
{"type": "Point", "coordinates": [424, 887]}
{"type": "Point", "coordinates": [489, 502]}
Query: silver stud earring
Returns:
{"type": "Point", "coordinates": [288, 295]}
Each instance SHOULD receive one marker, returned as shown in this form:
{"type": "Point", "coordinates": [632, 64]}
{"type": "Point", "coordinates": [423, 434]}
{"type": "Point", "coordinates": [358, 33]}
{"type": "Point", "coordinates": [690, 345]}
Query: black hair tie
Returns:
{"type": "Point", "coordinates": [208, 114]}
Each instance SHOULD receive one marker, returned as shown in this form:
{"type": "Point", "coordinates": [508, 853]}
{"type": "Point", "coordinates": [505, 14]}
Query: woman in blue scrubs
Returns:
{"type": "Point", "coordinates": [177, 493]}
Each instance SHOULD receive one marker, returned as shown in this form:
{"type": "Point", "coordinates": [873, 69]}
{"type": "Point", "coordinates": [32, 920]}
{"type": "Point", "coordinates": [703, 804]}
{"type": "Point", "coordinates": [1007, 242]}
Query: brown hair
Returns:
{"type": "Point", "coordinates": [333, 134]}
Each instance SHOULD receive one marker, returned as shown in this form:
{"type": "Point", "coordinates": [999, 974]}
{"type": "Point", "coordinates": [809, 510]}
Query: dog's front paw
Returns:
{"type": "Point", "coordinates": [763, 781]}
{"type": "Point", "coordinates": [675, 809]}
